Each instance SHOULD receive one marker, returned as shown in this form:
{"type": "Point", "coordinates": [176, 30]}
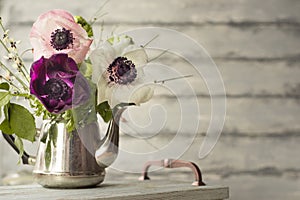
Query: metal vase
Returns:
{"type": "Point", "coordinates": [73, 159]}
{"type": "Point", "coordinates": [66, 160]}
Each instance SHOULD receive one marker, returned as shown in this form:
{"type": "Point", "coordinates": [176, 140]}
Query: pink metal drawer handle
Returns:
{"type": "Point", "coordinates": [171, 163]}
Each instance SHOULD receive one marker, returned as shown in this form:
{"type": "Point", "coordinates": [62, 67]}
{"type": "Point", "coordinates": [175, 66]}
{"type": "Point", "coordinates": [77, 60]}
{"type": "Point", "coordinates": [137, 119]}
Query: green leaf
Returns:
{"type": "Point", "coordinates": [53, 134]}
{"type": "Point", "coordinates": [105, 111]}
{"type": "Point", "coordinates": [48, 154]}
{"type": "Point", "coordinates": [4, 86]}
{"type": "Point", "coordinates": [70, 126]}
{"type": "Point", "coordinates": [86, 68]}
{"type": "Point", "coordinates": [86, 113]}
{"type": "Point", "coordinates": [22, 122]}
{"type": "Point", "coordinates": [44, 136]}
{"type": "Point", "coordinates": [20, 146]}
{"type": "Point", "coordinates": [4, 98]}
{"type": "Point", "coordinates": [5, 111]}
{"type": "Point", "coordinates": [5, 127]}
{"type": "Point", "coordinates": [69, 120]}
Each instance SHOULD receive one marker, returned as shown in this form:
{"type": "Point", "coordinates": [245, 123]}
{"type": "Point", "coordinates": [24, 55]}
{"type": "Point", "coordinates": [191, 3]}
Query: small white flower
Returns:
{"type": "Point", "coordinates": [5, 36]}
{"type": "Point", "coordinates": [9, 56]}
{"type": "Point", "coordinates": [7, 76]}
{"type": "Point", "coordinates": [118, 72]}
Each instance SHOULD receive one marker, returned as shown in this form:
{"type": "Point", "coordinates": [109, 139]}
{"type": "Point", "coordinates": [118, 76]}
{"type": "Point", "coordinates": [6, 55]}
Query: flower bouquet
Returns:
{"type": "Point", "coordinates": [69, 82]}
{"type": "Point", "coordinates": [67, 73]}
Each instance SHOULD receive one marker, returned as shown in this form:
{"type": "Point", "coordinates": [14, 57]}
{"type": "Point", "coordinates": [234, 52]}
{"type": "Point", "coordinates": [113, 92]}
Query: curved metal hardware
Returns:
{"type": "Point", "coordinates": [171, 163]}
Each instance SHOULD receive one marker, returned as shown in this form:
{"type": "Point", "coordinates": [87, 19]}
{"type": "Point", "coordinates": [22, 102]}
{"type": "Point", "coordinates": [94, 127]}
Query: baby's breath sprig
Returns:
{"type": "Point", "coordinates": [10, 46]}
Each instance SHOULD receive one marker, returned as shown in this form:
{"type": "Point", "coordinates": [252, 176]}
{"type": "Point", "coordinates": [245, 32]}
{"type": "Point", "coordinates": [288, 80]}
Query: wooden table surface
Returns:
{"type": "Point", "coordinates": [114, 190]}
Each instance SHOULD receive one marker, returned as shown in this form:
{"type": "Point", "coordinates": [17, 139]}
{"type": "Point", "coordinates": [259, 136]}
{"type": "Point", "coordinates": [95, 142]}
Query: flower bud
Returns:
{"type": "Point", "coordinates": [85, 25]}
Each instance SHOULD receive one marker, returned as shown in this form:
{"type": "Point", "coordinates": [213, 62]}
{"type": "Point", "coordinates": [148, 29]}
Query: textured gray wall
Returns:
{"type": "Point", "coordinates": [256, 46]}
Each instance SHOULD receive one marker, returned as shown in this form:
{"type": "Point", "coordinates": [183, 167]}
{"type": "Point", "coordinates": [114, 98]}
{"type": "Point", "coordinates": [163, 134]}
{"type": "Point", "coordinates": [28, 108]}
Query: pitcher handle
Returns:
{"type": "Point", "coordinates": [26, 159]}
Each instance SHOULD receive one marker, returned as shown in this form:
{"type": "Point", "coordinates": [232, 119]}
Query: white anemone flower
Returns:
{"type": "Point", "coordinates": [118, 72]}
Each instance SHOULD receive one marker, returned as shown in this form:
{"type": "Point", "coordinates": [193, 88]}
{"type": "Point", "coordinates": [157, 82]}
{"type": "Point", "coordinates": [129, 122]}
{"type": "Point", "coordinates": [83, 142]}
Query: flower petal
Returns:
{"type": "Point", "coordinates": [81, 90]}
{"type": "Point", "coordinates": [101, 58]}
{"type": "Point", "coordinates": [120, 43]}
{"type": "Point", "coordinates": [142, 95]}
{"type": "Point", "coordinates": [138, 56]}
{"type": "Point", "coordinates": [104, 90]}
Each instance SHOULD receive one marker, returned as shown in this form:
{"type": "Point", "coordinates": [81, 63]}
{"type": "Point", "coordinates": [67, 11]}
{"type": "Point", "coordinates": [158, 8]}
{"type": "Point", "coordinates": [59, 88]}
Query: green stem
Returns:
{"type": "Point", "coordinates": [22, 59]}
{"type": "Point", "coordinates": [5, 47]}
{"type": "Point", "coordinates": [24, 72]}
{"type": "Point", "coordinates": [25, 69]}
{"type": "Point", "coordinates": [156, 57]}
{"type": "Point", "coordinates": [27, 50]}
{"type": "Point", "coordinates": [2, 26]}
{"type": "Point", "coordinates": [10, 82]}
{"type": "Point", "coordinates": [171, 79]}
{"type": "Point", "coordinates": [18, 79]}
{"type": "Point", "coordinates": [156, 36]}
{"type": "Point", "coordinates": [22, 67]}
{"type": "Point", "coordinates": [97, 14]}
{"type": "Point", "coordinates": [20, 95]}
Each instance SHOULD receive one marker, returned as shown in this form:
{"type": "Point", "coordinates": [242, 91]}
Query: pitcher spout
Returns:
{"type": "Point", "coordinates": [107, 153]}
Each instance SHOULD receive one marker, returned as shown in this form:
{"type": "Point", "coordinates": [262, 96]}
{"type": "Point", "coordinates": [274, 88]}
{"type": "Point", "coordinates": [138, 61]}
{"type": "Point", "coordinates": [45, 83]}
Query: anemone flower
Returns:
{"type": "Point", "coordinates": [57, 32]}
{"type": "Point", "coordinates": [57, 83]}
{"type": "Point", "coordinates": [118, 72]}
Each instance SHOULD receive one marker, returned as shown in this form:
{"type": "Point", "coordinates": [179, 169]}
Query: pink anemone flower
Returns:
{"type": "Point", "coordinates": [57, 32]}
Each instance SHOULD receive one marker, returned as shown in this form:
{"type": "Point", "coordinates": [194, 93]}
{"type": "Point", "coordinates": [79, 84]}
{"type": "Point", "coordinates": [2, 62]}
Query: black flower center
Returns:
{"type": "Point", "coordinates": [121, 71]}
{"type": "Point", "coordinates": [61, 39]}
{"type": "Point", "coordinates": [57, 89]}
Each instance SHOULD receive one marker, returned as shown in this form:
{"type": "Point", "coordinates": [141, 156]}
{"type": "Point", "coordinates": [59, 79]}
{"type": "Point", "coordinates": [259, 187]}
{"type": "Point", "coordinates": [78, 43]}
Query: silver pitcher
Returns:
{"type": "Point", "coordinates": [76, 159]}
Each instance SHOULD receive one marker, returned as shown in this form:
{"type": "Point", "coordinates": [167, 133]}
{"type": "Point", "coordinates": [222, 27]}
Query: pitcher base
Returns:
{"type": "Point", "coordinates": [68, 181]}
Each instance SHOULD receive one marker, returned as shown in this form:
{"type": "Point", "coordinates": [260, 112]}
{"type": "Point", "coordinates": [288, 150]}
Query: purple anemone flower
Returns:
{"type": "Point", "coordinates": [57, 83]}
